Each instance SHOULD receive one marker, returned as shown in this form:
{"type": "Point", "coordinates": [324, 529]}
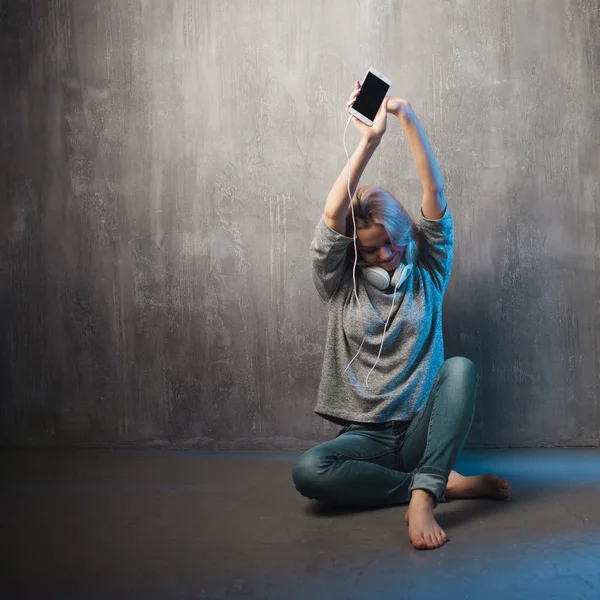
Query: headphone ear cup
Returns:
{"type": "Point", "coordinates": [397, 274]}
{"type": "Point", "coordinates": [401, 274]}
{"type": "Point", "coordinates": [377, 277]}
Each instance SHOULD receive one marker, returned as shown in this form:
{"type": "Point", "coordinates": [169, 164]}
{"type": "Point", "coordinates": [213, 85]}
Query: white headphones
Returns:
{"type": "Point", "coordinates": [381, 279]}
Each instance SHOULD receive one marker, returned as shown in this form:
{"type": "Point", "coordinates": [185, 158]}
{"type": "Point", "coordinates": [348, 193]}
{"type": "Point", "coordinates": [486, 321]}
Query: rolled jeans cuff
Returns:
{"type": "Point", "coordinates": [434, 483]}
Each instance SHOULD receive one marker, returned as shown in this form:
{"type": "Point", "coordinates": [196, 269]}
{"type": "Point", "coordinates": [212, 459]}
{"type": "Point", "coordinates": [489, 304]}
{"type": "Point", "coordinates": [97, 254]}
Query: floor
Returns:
{"type": "Point", "coordinates": [99, 524]}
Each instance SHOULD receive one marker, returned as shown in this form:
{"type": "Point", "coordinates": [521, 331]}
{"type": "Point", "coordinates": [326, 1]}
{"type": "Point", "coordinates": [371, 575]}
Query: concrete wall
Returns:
{"type": "Point", "coordinates": [164, 165]}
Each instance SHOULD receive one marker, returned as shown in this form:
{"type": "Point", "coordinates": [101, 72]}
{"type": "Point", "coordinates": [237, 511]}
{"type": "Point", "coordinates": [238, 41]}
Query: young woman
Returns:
{"type": "Point", "coordinates": [405, 412]}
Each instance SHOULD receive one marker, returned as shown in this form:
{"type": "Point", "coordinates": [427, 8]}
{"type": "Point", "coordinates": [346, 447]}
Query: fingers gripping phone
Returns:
{"type": "Point", "coordinates": [373, 90]}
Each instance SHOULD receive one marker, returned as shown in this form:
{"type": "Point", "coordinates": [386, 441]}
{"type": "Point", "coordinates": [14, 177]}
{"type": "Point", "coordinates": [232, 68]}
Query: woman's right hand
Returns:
{"type": "Point", "coordinates": [376, 131]}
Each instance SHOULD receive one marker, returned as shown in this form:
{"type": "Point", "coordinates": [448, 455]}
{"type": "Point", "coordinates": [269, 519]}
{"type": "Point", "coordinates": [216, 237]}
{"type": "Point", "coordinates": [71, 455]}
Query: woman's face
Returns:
{"type": "Point", "coordinates": [376, 248]}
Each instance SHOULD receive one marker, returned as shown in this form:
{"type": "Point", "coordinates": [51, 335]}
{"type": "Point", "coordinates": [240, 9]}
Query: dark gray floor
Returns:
{"type": "Point", "coordinates": [151, 524]}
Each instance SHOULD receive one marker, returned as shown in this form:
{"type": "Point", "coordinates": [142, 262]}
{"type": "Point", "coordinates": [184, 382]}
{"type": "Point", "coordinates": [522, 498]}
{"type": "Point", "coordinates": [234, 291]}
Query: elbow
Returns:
{"type": "Point", "coordinates": [337, 222]}
{"type": "Point", "coordinates": [435, 188]}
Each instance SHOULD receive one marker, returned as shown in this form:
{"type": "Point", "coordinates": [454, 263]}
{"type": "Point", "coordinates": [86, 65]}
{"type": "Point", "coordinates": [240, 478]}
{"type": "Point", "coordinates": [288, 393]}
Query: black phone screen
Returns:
{"type": "Point", "coordinates": [372, 93]}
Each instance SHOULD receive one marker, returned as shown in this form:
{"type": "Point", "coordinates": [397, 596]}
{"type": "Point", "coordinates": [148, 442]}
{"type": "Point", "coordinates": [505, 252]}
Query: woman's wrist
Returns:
{"type": "Point", "coordinates": [369, 143]}
{"type": "Point", "coordinates": [401, 108]}
{"type": "Point", "coordinates": [406, 115]}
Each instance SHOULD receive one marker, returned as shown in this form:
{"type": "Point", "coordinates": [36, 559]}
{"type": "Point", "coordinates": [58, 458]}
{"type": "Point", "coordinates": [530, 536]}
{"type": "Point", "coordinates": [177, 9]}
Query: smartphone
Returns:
{"type": "Point", "coordinates": [373, 90]}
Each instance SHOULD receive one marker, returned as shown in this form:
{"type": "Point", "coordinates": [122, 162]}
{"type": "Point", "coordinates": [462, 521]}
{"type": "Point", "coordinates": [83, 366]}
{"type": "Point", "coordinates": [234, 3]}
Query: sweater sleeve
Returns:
{"type": "Point", "coordinates": [328, 252]}
{"type": "Point", "coordinates": [437, 243]}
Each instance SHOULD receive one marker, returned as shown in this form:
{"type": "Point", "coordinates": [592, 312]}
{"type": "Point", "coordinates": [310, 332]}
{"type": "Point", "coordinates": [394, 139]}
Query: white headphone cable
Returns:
{"type": "Point", "coordinates": [353, 218]}
{"type": "Point", "coordinates": [384, 330]}
{"type": "Point", "coordinates": [354, 239]}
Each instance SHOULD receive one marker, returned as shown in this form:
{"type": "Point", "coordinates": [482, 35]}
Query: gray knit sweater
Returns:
{"type": "Point", "coordinates": [413, 351]}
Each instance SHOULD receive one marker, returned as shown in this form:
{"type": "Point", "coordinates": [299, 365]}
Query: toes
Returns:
{"type": "Point", "coordinates": [442, 538]}
{"type": "Point", "coordinates": [503, 488]}
{"type": "Point", "coordinates": [501, 483]}
{"type": "Point", "coordinates": [419, 543]}
{"type": "Point", "coordinates": [430, 541]}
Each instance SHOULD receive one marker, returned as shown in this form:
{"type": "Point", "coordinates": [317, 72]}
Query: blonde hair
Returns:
{"type": "Point", "coordinates": [374, 205]}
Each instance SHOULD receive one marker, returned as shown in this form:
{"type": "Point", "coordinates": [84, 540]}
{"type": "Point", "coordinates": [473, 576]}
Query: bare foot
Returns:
{"type": "Point", "coordinates": [477, 486]}
{"type": "Point", "coordinates": [423, 531]}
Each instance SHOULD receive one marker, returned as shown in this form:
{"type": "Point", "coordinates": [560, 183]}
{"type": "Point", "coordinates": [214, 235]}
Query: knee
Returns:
{"type": "Point", "coordinates": [307, 474]}
{"type": "Point", "coordinates": [460, 368]}
{"type": "Point", "coordinates": [460, 374]}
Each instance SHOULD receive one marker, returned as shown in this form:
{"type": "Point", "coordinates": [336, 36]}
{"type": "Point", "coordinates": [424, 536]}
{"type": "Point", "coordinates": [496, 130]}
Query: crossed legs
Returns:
{"type": "Point", "coordinates": [399, 463]}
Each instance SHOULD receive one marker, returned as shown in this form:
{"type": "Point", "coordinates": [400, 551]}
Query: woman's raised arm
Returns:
{"type": "Point", "coordinates": [434, 202]}
{"type": "Point", "coordinates": [338, 201]}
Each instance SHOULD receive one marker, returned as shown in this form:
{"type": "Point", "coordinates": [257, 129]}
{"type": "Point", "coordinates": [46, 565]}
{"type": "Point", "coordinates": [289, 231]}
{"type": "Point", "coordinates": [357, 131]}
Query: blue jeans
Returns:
{"type": "Point", "coordinates": [378, 464]}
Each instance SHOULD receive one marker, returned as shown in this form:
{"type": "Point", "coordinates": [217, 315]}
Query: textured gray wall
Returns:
{"type": "Point", "coordinates": [164, 165]}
